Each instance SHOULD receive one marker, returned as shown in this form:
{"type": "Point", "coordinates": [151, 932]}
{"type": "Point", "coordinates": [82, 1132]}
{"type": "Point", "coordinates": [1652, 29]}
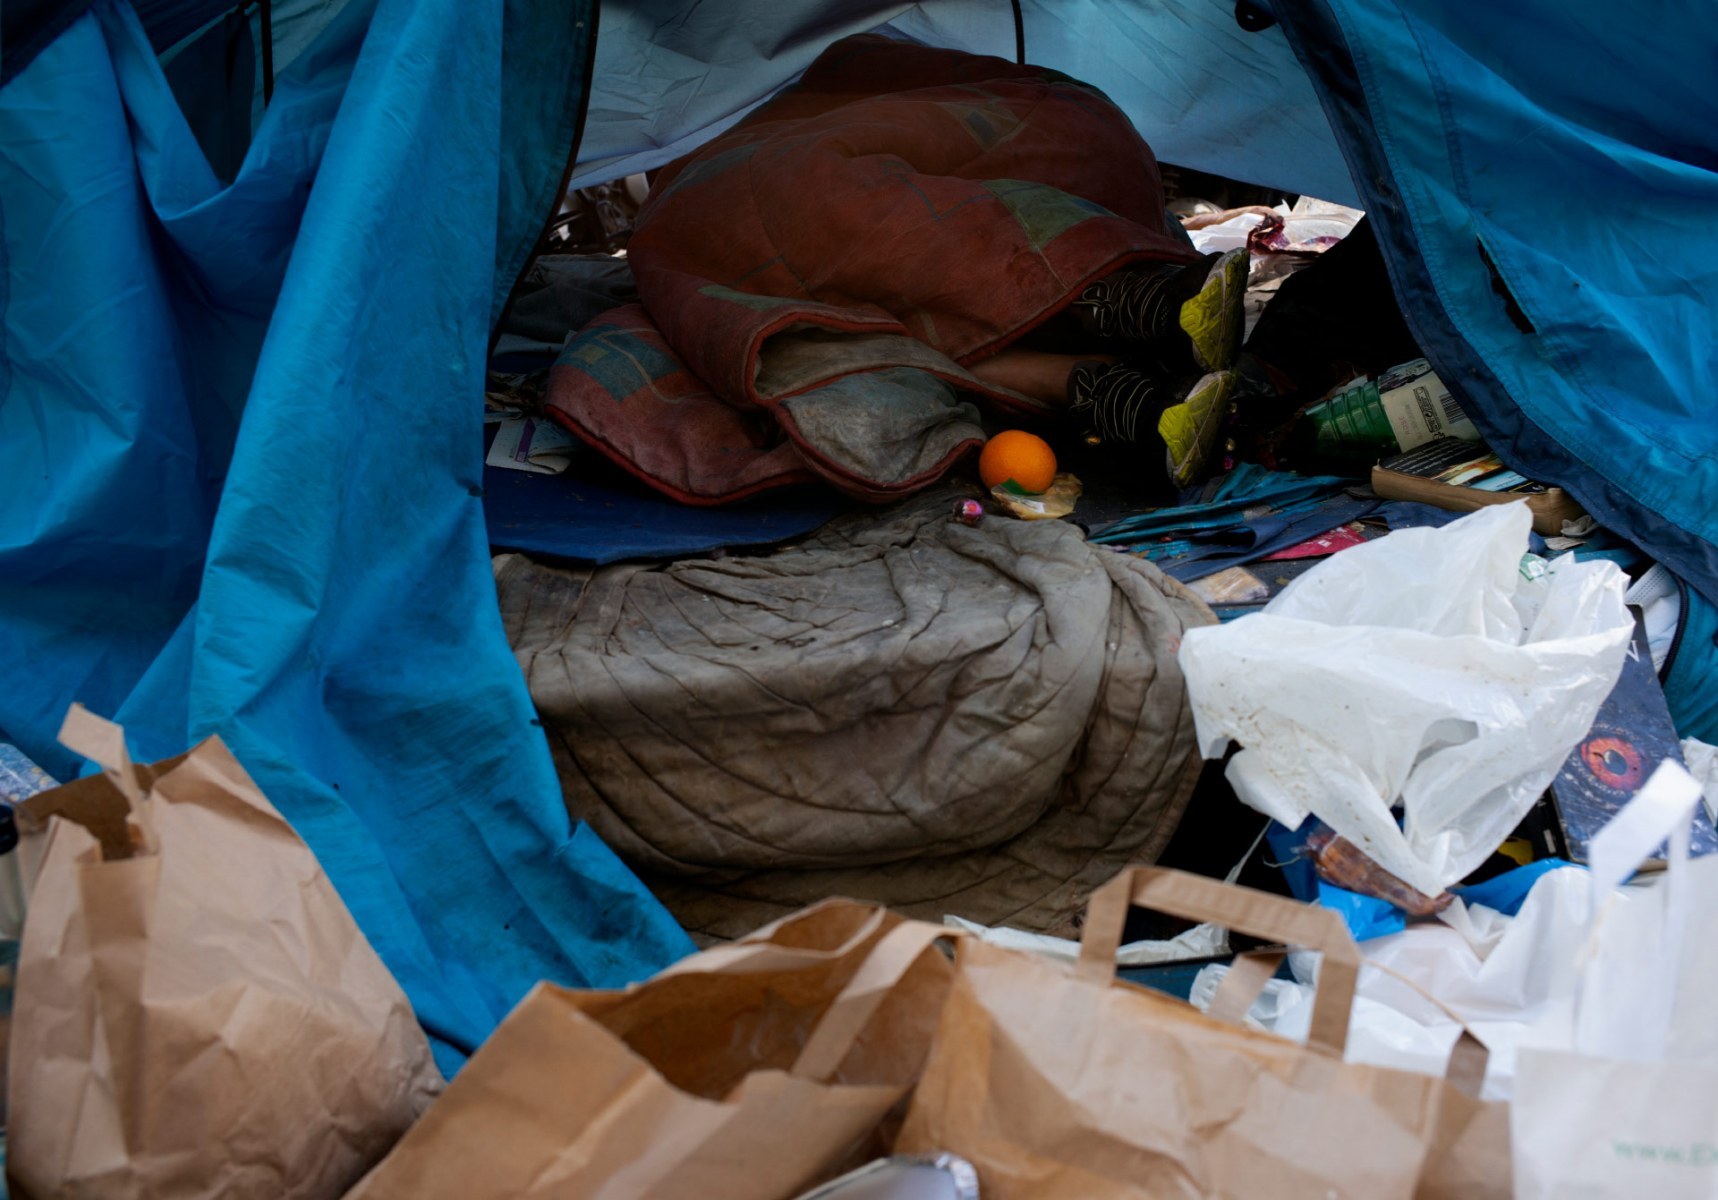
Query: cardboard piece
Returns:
{"type": "Point", "coordinates": [196, 1012]}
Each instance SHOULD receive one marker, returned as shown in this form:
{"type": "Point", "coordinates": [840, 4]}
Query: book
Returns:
{"type": "Point", "coordinates": [1631, 735]}
{"type": "Point", "coordinates": [1462, 477]}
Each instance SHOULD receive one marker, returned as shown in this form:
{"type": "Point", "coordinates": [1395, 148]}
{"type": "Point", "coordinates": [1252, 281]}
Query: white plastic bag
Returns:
{"type": "Point", "coordinates": [1702, 763]}
{"type": "Point", "coordinates": [1226, 235]}
{"type": "Point", "coordinates": [1435, 668]}
{"type": "Point", "coordinates": [1202, 941]}
{"type": "Point", "coordinates": [1617, 1095]}
{"type": "Point", "coordinates": [1499, 976]}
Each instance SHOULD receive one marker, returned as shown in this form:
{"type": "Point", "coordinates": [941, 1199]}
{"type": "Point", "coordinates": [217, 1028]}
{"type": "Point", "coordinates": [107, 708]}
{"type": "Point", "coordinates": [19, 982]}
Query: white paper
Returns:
{"type": "Point", "coordinates": [527, 444]}
{"type": "Point", "coordinates": [1226, 235]}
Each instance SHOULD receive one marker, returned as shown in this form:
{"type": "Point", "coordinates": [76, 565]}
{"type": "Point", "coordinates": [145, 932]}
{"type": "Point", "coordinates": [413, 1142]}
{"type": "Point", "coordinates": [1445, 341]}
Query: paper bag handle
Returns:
{"type": "Point", "coordinates": [103, 743]}
{"type": "Point", "coordinates": [1259, 914]}
{"type": "Point", "coordinates": [886, 965]}
{"type": "Point", "coordinates": [1244, 983]}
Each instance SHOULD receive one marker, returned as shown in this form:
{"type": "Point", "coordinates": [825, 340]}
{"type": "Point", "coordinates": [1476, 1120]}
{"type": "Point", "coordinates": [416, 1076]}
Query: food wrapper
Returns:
{"type": "Point", "coordinates": [1056, 501]}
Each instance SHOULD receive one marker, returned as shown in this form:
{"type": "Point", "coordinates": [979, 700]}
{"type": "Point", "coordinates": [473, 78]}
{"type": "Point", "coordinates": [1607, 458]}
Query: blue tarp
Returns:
{"type": "Point", "coordinates": [1249, 514]}
{"type": "Point", "coordinates": [240, 433]}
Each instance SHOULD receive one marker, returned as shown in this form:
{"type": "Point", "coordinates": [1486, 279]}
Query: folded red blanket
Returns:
{"type": "Point", "coordinates": [816, 280]}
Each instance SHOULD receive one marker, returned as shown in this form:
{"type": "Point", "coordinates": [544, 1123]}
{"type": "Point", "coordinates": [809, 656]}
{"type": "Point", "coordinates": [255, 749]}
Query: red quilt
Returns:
{"type": "Point", "coordinates": [816, 281]}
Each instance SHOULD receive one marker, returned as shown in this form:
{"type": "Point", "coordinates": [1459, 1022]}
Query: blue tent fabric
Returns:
{"type": "Point", "coordinates": [547, 54]}
{"type": "Point", "coordinates": [27, 27]}
{"type": "Point", "coordinates": [1691, 669]}
{"type": "Point", "coordinates": [242, 423]}
{"type": "Point", "coordinates": [1542, 178]}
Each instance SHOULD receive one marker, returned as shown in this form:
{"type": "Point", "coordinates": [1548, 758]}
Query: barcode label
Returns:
{"type": "Point", "coordinates": [1452, 410]}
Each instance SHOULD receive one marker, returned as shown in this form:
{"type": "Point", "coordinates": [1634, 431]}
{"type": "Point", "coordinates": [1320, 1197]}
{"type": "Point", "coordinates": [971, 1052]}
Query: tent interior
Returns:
{"type": "Point", "coordinates": [254, 262]}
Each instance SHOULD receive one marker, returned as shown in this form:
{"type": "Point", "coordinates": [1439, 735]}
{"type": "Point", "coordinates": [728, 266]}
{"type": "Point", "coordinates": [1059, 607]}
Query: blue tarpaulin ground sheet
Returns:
{"type": "Point", "coordinates": [594, 513]}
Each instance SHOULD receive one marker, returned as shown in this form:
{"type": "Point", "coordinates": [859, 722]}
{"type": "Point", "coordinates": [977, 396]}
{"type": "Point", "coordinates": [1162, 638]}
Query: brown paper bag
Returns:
{"type": "Point", "coordinates": [747, 1072]}
{"type": "Point", "coordinates": [1061, 1083]}
{"type": "Point", "coordinates": [196, 1012]}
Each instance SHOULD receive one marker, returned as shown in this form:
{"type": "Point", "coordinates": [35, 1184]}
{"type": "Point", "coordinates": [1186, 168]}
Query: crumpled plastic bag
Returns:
{"type": "Point", "coordinates": [1204, 940]}
{"type": "Point", "coordinates": [1496, 974]}
{"type": "Point", "coordinates": [1440, 670]}
{"type": "Point", "coordinates": [1310, 227]}
{"type": "Point", "coordinates": [1702, 763]}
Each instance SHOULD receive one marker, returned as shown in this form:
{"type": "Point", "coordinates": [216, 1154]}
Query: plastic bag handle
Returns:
{"type": "Point", "coordinates": [887, 964]}
{"type": "Point", "coordinates": [1259, 914]}
{"type": "Point", "coordinates": [1662, 811]}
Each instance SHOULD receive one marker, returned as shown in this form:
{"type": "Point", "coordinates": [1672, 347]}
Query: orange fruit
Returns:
{"type": "Point", "coordinates": [1017, 457]}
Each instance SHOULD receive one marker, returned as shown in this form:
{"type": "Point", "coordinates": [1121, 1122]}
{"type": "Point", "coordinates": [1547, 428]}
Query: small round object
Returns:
{"type": "Point", "coordinates": [968, 512]}
{"type": "Point", "coordinates": [1021, 459]}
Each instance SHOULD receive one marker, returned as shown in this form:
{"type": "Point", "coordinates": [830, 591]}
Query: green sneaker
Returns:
{"type": "Point", "coordinates": [1125, 402]}
{"type": "Point", "coordinates": [1215, 318]}
{"type": "Point", "coordinates": [1189, 429]}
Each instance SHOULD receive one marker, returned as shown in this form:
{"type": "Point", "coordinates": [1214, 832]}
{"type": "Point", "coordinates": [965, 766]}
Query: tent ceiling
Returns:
{"type": "Point", "coordinates": [1203, 91]}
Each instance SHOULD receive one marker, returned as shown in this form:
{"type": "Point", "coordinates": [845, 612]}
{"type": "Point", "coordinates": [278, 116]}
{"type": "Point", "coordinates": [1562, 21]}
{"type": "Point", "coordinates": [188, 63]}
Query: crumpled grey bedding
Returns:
{"type": "Point", "coordinates": [985, 721]}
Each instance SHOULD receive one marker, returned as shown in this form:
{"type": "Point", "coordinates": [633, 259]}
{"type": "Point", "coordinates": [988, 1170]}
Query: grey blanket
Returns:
{"type": "Point", "coordinates": [982, 721]}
